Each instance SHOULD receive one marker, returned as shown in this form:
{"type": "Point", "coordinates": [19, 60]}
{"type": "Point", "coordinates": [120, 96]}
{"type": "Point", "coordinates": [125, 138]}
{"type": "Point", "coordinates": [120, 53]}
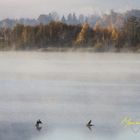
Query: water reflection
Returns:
{"type": "Point", "coordinates": [66, 134]}
{"type": "Point", "coordinates": [89, 127]}
{"type": "Point", "coordinates": [38, 128]}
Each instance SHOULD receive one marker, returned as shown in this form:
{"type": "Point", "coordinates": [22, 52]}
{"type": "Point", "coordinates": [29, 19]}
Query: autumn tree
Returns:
{"type": "Point", "coordinates": [83, 35]}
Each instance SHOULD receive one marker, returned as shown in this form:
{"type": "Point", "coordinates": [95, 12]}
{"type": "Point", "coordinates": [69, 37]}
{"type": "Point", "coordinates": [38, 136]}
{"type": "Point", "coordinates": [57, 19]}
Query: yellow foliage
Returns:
{"type": "Point", "coordinates": [82, 35]}
{"type": "Point", "coordinates": [114, 34]}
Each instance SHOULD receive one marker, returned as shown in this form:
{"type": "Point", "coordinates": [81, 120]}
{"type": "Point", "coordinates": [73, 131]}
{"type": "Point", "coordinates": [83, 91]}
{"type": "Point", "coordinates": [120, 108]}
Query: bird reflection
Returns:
{"type": "Point", "coordinates": [38, 128]}
{"type": "Point", "coordinates": [89, 127]}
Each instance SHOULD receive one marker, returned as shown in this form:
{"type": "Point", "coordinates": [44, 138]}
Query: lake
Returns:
{"type": "Point", "coordinates": [66, 90]}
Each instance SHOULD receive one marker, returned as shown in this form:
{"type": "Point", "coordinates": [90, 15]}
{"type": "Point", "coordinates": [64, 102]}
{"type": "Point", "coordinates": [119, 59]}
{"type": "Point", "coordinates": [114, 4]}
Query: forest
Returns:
{"type": "Point", "coordinates": [57, 34]}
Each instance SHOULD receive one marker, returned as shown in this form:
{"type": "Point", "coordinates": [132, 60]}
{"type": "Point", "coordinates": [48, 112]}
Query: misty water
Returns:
{"type": "Point", "coordinates": [66, 90]}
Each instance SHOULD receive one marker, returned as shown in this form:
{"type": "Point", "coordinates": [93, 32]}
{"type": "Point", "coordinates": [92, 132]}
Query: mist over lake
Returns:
{"type": "Point", "coordinates": [66, 90]}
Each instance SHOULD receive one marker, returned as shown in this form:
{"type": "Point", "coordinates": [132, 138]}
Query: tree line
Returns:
{"type": "Point", "coordinates": [58, 34]}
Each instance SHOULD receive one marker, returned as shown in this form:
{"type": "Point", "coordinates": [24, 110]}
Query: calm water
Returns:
{"type": "Point", "coordinates": [65, 91]}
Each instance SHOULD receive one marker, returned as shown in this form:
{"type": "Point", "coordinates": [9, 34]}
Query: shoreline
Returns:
{"type": "Point", "coordinates": [71, 49]}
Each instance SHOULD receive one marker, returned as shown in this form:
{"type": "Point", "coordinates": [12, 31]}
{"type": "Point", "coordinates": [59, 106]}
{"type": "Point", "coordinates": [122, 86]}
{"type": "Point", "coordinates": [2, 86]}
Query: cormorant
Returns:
{"type": "Point", "coordinates": [89, 124]}
{"type": "Point", "coordinates": [38, 123]}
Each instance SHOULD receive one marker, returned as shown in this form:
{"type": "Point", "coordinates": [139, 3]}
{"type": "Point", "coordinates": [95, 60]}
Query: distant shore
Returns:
{"type": "Point", "coordinates": [75, 49]}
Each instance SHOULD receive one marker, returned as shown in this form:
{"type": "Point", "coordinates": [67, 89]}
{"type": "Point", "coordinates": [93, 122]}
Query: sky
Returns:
{"type": "Point", "coordinates": [33, 8]}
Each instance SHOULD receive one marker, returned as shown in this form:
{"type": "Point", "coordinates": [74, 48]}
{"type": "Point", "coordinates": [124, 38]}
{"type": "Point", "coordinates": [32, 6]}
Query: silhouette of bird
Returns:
{"type": "Point", "coordinates": [38, 123]}
{"type": "Point", "coordinates": [89, 124]}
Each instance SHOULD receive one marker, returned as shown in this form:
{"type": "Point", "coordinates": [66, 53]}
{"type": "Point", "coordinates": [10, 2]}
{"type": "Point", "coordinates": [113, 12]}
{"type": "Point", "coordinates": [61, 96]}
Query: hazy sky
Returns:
{"type": "Point", "coordinates": [33, 8]}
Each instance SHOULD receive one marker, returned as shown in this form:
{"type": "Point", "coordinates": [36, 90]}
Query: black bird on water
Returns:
{"type": "Point", "coordinates": [89, 124]}
{"type": "Point", "coordinates": [37, 125]}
